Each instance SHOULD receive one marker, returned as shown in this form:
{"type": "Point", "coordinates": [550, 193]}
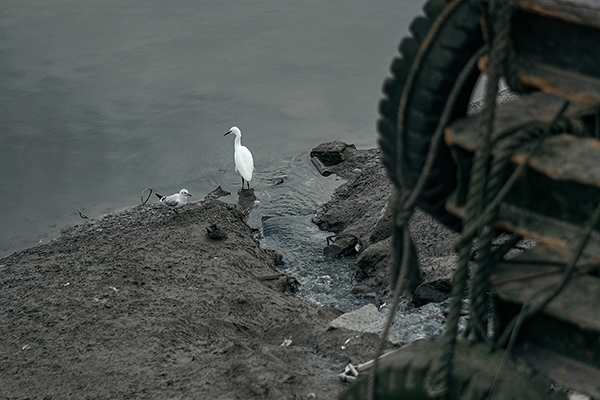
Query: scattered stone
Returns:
{"type": "Point", "coordinates": [375, 257]}
{"type": "Point", "coordinates": [289, 284]}
{"type": "Point", "coordinates": [432, 292]}
{"type": "Point", "coordinates": [365, 320]}
{"type": "Point", "coordinates": [215, 232]}
{"type": "Point", "coordinates": [279, 259]}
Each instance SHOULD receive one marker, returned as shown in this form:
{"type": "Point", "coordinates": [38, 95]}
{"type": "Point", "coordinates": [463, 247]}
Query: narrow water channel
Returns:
{"type": "Point", "coordinates": [283, 217]}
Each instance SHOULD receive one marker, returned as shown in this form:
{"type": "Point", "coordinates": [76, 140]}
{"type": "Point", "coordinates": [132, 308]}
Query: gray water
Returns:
{"type": "Point", "coordinates": [102, 99]}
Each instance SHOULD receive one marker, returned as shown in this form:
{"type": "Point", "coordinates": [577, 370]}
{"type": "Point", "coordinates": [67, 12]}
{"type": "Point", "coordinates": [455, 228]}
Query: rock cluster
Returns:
{"type": "Point", "coordinates": [361, 219]}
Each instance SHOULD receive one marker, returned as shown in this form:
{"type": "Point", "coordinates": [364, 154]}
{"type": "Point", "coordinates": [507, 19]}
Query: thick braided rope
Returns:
{"type": "Point", "coordinates": [441, 380]}
{"type": "Point", "coordinates": [479, 287]}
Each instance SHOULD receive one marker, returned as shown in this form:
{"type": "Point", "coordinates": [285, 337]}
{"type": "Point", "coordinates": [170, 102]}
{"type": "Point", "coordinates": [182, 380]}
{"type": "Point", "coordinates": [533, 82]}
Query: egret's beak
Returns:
{"type": "Point", "coordinates": [227, 133]}
{"type": "Point", "coordinates": [188, 194]}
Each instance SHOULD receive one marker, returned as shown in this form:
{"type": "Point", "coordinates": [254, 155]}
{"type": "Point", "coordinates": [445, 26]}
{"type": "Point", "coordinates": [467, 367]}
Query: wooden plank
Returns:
{"type": "Point", "coordinates": [560, 187]}
{"type": "Point", "coordinates": [561, 181]}
{"type": "Point", "coordinates": [576, 305]}
{"type": "Point", "coordinates": [584, 12]}
{"type": "Point", "coordinates": [568, 84]}
{"type": "Point", "coordinates": [558, 236]}
{"type": "Point", "coordinates": [562, 370]}
{"type": "Point", "coordinates": [535, 108]}
{"type": "Point", "coordinates": [567, 158]}
{"type": "Point", "coordinates": [554, 47]}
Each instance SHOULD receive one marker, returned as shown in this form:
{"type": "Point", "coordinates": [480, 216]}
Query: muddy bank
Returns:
{"type": "Point", "coordinates": [145, 303]}
{"type": "Point", "coordinates": [142, 304]}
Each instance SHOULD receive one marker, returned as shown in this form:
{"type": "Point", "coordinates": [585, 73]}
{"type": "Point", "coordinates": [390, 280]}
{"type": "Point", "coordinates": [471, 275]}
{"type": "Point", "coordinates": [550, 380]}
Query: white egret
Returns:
{"type": "Point", "coordinates": [244, 163]}
{"type": "Point", "coordinates": [176, 200]}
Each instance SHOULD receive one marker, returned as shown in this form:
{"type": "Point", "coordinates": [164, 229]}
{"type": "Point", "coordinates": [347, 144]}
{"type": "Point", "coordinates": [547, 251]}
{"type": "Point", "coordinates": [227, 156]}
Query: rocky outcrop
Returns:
{"type": "Point", "coordinates": [361, 219]}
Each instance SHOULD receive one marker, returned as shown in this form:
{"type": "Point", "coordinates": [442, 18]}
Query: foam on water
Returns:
{"type": "Point", "coordinates": [284, 220]}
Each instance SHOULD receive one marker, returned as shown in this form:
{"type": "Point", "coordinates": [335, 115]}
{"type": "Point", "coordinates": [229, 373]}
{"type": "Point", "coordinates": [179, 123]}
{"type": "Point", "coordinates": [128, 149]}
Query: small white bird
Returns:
{"type": "Point", "coordinates": [244, 163]}
{"type": "Point", "coordinates": [176, 200]}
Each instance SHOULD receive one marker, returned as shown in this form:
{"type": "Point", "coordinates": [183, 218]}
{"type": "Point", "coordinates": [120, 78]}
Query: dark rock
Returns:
{"type": "Point", "coordinates": [331, 153]}
{"type": "Point", "coordinates": [279, 259]}
{"type": "Point", "coordinates": [342, 246]}
{"type": "Point", "coordinates": [432, 292]}
{"type": "Point", "coordinates": [217, 193]}
{"type": "Point", "coordinates": [376, 257]}
{"type": "Point", "coordinates": [383, 228]}
{"type": "Point", "coordinates": [215, 232]}
{"type": "Point", "coordinates": [247, 199]}
{"type": "Point", "coordinates": [289, 284]}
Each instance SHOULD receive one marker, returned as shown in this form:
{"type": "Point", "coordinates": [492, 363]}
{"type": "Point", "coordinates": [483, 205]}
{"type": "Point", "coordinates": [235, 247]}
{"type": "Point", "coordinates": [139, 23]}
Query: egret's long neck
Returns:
{"type": "Point", "coordinates": [238, 141]}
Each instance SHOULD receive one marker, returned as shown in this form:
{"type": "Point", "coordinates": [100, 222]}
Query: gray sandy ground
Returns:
{"type": "Point", "coordinates": [142, 304]}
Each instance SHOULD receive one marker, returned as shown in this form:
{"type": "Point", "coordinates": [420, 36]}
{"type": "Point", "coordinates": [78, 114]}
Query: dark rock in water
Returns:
{"type": "Point", "coordinates": [331, 153]}
{"type": "Point", "coordinates": [279, 259]}
{"type": "Point", "coordinates": [432, 292]}
{"type": "Point", "coordinates": [247, 199]}
{"type": "Point", "coordinates": [215, 232]}
{"type": "Point", "coordinates": [362, 208]}
{"type": "Point", "coordinates": [217, 193]}
{"type": "Point", "coordinates": [289, 284]}
{"type": "Point", "coordinates": [342, 246]}
{"type": "Point", "coordinates": [374, 265]}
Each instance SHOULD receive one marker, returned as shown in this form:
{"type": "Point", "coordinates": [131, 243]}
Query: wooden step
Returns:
{"type": "Point", "coordinates": [553, 47]}
{"type": "Point", "coordinates": [570, 324]}
{"type": "Point", "coordinates": [563, 371]}
{"type": "Point", "coordinates": [560, 186]}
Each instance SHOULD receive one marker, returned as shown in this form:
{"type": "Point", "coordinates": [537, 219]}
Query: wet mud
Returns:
{"type": "Point", "coordinates": [146, 303]}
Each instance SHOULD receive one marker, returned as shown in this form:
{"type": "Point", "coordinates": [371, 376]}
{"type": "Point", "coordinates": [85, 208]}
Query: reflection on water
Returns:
{"type": "Point", "coordinates": [102, 99]}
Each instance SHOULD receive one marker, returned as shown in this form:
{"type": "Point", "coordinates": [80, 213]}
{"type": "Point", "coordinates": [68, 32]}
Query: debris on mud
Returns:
{"type": "Point", "coordinates": [141, 303]}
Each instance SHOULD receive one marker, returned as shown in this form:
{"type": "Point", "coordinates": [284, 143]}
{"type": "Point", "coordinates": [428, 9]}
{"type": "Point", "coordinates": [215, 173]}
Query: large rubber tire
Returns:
{"type": "Point", "coordinates": [479, 374]}
{"type": "Point", "coordinates": [458, 40]}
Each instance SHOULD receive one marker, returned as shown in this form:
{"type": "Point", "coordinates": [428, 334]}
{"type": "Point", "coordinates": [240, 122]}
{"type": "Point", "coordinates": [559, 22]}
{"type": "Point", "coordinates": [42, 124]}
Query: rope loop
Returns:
{"type": "Point", "coordinates": [150, 191]}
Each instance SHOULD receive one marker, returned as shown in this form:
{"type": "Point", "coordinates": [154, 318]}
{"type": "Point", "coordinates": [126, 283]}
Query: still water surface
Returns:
{"type": "Point", "coordinates": [101, 99]}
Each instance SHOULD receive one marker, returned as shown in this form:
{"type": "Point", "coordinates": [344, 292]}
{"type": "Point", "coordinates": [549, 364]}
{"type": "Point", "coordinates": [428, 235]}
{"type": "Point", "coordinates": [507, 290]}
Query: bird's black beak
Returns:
{"type": "Point", "coordinates": [189, 194]}
{"type": "Point", "coordinates": [227, 133]}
